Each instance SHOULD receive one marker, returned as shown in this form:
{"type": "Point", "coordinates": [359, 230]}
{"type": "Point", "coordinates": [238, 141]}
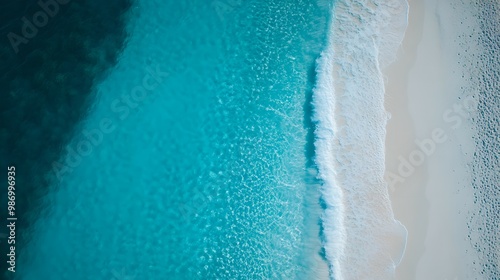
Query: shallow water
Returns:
{"type": "Point", "coordinates": [192, 162]}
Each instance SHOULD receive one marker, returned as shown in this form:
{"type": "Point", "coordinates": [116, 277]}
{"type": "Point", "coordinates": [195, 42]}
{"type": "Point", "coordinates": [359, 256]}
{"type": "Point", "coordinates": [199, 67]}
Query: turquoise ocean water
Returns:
{"type": "Point", "coordinates": [220, 139]}
{"type": "Point", "coordinates": [195, 159]}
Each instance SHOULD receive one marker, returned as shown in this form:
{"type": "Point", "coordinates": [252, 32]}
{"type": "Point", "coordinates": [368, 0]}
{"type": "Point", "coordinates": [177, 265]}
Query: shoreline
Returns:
{"type": "Point", "coordinates": [425, 146]}
{"type": "Point", "coordinates": [399, 140]}
{"type": "Point", "coordinates": [350, 142]}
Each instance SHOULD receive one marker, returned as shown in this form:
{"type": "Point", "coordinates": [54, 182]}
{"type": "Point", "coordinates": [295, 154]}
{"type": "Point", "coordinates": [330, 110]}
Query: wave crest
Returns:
{"type": "Point", "coordinates": [362, 240]}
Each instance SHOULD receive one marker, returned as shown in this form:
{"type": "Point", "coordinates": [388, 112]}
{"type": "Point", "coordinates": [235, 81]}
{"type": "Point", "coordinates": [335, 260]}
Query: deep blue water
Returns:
{"type": "Point", "coordinates": [192, 162]}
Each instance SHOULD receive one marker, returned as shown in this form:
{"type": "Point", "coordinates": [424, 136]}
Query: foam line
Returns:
{"type": "Point", "coordinates": [362, 240]}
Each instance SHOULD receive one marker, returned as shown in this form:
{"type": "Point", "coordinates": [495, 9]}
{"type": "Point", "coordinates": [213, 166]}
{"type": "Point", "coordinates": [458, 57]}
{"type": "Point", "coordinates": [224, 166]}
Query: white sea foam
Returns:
{"type": "Point", "coordinates": [362, 240]}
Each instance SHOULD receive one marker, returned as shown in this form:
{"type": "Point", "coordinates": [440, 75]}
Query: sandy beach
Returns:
{"type": "Point", "coordinates": [427, 147]}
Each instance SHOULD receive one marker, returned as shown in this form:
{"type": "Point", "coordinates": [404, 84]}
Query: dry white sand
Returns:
{"type": "Point", "coordinates": [429, 192]}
